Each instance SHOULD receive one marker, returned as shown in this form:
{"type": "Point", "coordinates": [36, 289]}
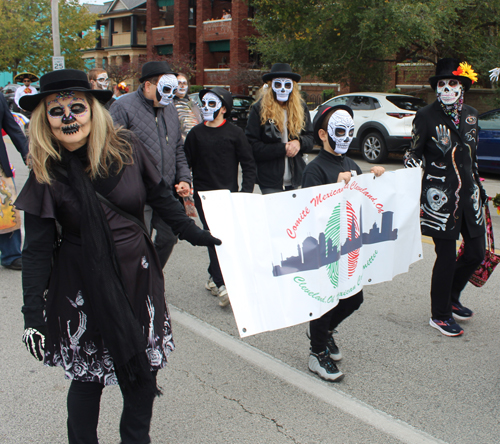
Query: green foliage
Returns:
{"type": "Point", "coordinates": [347, 40]}
{"type": "Point", "coordinates": [195, 88]}
{"type": "Point", "coordinates": [328, 94]}
{"type": "Point", "coordinates": [26, 34]}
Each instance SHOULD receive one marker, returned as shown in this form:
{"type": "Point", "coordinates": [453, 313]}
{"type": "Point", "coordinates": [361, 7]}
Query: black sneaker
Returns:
{"type": "Point", "coordinates": [460, 312]}
{"type": "Point", "coordinates": [322, 364]}
{"type": "Point", "coordinates": [17, 264]}
{"type": "Point", "coordinates": [335, 353]}
{"type": "Point", "coordinates": [448, 327]}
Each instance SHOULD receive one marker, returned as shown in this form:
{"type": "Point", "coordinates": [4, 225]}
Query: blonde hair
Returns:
{"type": "Point", "coordinates": [107, 145]}
{"type": "Point", "coordinates": [271, 109]}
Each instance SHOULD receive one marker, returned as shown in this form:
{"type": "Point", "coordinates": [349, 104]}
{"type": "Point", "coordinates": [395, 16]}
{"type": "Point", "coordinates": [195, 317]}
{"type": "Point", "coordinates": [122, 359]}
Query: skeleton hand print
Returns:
{"type": "Point", "coordinates": [82, 326]}
{"type": "Point", "coordinates": [443, 141]}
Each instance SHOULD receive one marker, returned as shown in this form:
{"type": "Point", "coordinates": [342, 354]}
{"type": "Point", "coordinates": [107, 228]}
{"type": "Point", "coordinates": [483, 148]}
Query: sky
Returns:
{"type": "Point", "coordinates": [95, 2]}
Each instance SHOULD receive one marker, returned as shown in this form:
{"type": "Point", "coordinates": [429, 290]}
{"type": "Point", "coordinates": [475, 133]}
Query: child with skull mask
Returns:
{"type": "Point", "coordinates": [279, 130]}
{"type": "Point", "coordinates": [333, 130]}
{"type": "Point", "coordinates": [214, 150]}
{"type": "Point", "coordinates": [445, 133]}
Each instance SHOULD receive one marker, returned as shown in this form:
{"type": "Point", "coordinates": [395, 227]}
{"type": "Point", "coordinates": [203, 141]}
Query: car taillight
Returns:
{"type": "Point", "coordinates": [400, 115]}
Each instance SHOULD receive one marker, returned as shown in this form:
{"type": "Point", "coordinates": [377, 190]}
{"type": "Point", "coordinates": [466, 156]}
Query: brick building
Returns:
{"type": "Point", "coordinates": [197, 27]}
{"type": "Point", "coordinates": [122, 40]}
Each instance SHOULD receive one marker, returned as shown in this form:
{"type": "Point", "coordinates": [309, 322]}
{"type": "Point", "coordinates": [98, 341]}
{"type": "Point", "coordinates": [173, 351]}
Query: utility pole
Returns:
{"type": "Point", "coordinates": [57, 60]}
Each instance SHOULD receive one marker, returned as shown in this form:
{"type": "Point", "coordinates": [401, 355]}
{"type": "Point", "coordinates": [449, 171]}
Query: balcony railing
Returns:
{"type": "Point", "coordinates": [217, 30]}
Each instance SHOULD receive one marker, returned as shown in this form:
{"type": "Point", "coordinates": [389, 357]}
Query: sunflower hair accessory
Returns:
{"type": "Point", "coordinates": [465, 70]}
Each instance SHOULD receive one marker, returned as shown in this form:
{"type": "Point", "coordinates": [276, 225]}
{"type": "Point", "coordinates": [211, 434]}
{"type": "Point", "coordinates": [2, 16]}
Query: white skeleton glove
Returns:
{"type": "Point", "coordinates": [35, 342]}
{"type": "Point", "coordinates": [494, 73]}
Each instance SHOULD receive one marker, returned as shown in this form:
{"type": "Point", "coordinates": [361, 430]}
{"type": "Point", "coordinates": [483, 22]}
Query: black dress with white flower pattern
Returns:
{"type": "Point", "coordinates": [74, 341]}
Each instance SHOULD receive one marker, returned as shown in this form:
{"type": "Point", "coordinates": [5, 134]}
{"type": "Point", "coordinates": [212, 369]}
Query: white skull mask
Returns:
{"type": "Point", "coordinates": [102, 81]}
{"type": "Point", "coordinates": [166, 88]}
{"type": "Point", "coordinates": [449, 90]}
{"type": "Point", "coordinates": [340, 131]}
{"type": "Point", "coordinates": [436, 198]}
{"type": "Point", "coordinates": [282, 88]}
{"type": "Point", "coordinates": [211, 105]}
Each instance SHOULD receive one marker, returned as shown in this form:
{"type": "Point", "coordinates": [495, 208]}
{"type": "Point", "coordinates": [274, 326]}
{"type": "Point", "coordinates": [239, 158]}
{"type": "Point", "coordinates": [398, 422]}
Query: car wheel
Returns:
{"type": "Point", "coordinates": [373, 148]}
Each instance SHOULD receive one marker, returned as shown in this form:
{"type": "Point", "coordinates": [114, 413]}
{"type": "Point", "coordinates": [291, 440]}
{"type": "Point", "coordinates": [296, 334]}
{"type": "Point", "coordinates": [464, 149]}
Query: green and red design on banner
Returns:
{"type": "Point", "coordinates": [289, 257]}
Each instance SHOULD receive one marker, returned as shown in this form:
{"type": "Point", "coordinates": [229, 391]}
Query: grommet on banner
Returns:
{"type": "Point", "coordinates": [203, 197]}
{"type": "Point", "coordinates": [310, 314]}
{"type": "Point", "coordinates": [369, 280]}
{"type": "Point", "coordinates": [244, 330]}
{"type": "Point", "coordinates": [294, 195]}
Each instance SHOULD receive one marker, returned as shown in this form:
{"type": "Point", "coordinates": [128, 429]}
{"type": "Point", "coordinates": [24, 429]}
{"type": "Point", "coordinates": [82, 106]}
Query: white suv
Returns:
{"type": "Point", "coordinates": [382, 121]}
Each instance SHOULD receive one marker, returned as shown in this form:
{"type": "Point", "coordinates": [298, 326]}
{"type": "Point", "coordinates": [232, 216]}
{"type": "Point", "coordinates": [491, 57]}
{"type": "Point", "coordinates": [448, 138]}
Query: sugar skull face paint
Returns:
{"type": "Point", "coordinates": [166, 88]}
{"type": "Point", "coordinates": [340, 131]}
{"type": "Point", "coordinates": [282, 87]}
{"type": "Point", "coordinates": [69, 118]}
{"type": "Point", "coordinates": [449, 90]}
{"type": "Point", "coordinates": [211, 105]}
{"type": "Point", "coordinates": [102, 81]}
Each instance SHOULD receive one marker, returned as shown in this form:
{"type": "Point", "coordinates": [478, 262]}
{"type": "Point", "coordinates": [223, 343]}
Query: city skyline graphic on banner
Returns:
{"type": "Point", "coordinates": [317, 253]}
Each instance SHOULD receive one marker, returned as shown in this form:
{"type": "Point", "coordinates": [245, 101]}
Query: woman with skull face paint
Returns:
{"type": "Point", "coordinates": [280, 131]}
{"type": "Point", "coordinates": [334, 131]}
{"type": "Point", "coordinates": [97, 308]}
{"type": "Point", "coordinates": [445, 135]}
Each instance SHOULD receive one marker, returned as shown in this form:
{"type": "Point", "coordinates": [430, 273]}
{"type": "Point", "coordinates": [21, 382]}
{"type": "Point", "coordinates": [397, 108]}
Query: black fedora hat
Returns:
{"type": "Point", "coordinates": [320, 117]}
{"type": "Point", "coordinates": [447, 68]}
{"type": "Point", "coordinates": [153, 69]}
{"type": "Point", "coordinates": [281, 70]}
{"type": "Point", "coordinates": [63, 80]}
{"type": "Point", "coordinates": [223, 94]}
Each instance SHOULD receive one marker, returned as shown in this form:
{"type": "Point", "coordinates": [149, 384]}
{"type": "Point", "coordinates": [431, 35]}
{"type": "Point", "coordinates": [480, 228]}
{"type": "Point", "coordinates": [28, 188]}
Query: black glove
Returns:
{"type": "Point", "coordinates": [484, 197]}
{"type": "Point", "coordinates": [206, 239]}
{"type": "Point", "coordinates": [34, 342]}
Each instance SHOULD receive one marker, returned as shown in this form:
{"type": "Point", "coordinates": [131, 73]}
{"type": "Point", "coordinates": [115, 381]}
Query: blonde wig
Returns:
{"type": "Point", "coordinates": [106, 144]}
{"type": "Point", "coordinates": [271, 109]}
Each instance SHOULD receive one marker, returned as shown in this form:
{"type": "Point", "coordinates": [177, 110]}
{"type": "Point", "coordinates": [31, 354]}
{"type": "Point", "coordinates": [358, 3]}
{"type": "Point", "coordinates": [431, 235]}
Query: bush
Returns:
{"type": "Point", "coordinates": [328, 94]}
{"type": "Point", "coordinates": [195, 88]}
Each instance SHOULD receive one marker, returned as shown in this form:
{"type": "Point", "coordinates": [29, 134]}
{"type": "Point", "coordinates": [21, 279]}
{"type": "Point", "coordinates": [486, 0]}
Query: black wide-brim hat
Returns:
{"type": "Point", "coordinates": [22, 75]}
{"type": "Point", "coordinates": [281, 70]}
{"type": "Point", "coordinates": [444, 70]}
{"type": "Point", "coordinates": [223, 94]}
{"type": "Point", "coordinates": [59, 81]}
{"type": "Point", "coordinates": [320, 116]}
{"type": "Point", "coordinates": [153, 69]}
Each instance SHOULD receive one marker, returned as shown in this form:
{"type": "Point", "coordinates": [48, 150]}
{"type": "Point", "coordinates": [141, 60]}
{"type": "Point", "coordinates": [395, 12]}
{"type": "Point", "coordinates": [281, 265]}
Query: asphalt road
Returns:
{"type": "Point", "coordinates": [405, 382]}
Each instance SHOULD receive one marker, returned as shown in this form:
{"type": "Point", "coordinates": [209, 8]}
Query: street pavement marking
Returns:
{"type": "Point", "coordinates": [322, 390]}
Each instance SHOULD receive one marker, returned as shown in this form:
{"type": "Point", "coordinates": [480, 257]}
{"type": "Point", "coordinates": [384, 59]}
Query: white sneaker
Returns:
{"type": "Point", "coordinates": [322, 364]}
{"type": "Point", "coordinates": [223, 296]}
{"type": "Point", "coordinates": [211, 287]}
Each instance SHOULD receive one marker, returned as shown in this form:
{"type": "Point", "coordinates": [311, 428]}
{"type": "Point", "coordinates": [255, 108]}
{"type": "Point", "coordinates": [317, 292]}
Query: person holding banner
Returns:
{"type": "Point", "coordinates": [333, 130]}
{"type": "Point", "coordinates": [445, 134]}
{"type": "Point", "coordinates": [10, 220]}
{"type": "Point", "coordinates": [214, 150]}
{"type": "Point", "coordinates": [279, 130]}
{"type": "Point", "coordinates": [96, 304]}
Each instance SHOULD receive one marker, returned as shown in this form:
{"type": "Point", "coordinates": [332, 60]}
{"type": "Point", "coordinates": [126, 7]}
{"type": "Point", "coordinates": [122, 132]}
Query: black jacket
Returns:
{"type": "Point", "coordinates": [451, 188]}
{"type": "Point", "coordinates": [270, 155]}
{"type": "Point", "coordinates": [9, 125]}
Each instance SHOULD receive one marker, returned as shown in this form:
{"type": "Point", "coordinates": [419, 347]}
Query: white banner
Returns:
{"type": "Point", "coordinates": [287, 258]}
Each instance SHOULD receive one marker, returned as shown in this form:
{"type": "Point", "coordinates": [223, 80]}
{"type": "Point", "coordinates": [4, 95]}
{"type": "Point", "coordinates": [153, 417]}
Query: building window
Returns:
{"type": "Point", "coordinates": [165, 49]}
{"type": "Point", "coordinates": [192, 12]}
{"type": "Point", "coordinates": [167, 16]}
{"type": "Point", "coordinates": [219, 46]}
{"type": "Point", "coordinates": [126, 24]}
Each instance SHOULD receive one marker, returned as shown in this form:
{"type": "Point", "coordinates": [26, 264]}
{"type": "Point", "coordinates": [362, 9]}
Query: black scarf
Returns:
{"type": "Point", "coordinates": [121, 332]}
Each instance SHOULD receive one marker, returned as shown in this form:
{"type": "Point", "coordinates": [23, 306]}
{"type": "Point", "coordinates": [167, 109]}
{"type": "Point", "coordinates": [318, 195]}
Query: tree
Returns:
{"type": "Point", "coordinates": [26, 34]}
{"type": "Point", "coordinates": [349, 40]}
